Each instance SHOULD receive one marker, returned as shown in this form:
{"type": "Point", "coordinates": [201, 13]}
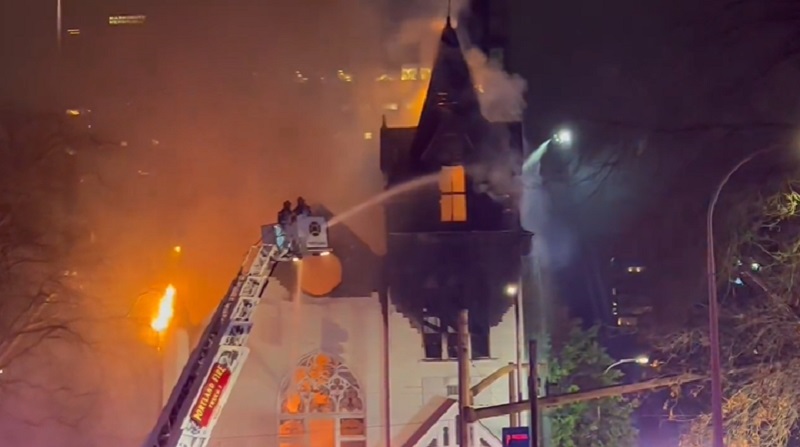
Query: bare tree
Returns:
{"type": "Point", "coordinates": [761, 317]}
{"type": "Point", "coordinates": [42, 239]}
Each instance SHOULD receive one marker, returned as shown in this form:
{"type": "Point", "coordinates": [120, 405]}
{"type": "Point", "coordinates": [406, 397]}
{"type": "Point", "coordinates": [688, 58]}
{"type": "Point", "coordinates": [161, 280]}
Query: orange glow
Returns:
{"type": "Point", "coordinates": [414, 108]}
{"type": "Point", "coordinates": [177, 249]}
{"type": "Point", "coordinates": [166, 310]}
{"type": "Point", "coordinates": [452, 179]}
{"type": "Point", "coordinates": [321, 274]}
{"type": "Point", "coordinates": [452, 185]}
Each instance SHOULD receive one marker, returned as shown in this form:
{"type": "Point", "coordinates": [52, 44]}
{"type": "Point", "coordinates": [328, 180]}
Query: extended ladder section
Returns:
{"type": "Point", "coordinates": [207, 379]}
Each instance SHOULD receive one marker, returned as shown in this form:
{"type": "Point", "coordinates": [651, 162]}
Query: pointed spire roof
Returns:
{"type": "Point", "coordinates": [451, 110]}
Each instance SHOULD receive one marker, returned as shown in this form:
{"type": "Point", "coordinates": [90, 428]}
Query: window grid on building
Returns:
{"type": "Point", "coordinates": [453, 189]}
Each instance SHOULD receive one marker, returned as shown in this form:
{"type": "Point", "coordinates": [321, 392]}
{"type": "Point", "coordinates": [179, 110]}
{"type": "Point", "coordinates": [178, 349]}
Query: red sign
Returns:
{"type": "Point", "coordinates": [516, 437]}
{"type": "Point", "coordinates": [210, 394]}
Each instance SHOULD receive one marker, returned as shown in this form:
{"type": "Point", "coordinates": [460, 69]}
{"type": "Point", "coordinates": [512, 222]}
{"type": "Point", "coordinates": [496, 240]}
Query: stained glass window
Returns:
{"type": "Point", "coordinates": [321, 405]}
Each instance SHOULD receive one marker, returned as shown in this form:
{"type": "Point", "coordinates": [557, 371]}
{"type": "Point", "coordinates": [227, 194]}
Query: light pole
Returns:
{"type": "Point", "coordinates": [58, 24]}
{"type": "Point", "coordinates": [639, 360]}
{"type": "Point", "coordinates": [713, 305]}
{"type": "Point", "coordinates": [515, 291]}
{"type": "Point", "coordinates": [563, 137]}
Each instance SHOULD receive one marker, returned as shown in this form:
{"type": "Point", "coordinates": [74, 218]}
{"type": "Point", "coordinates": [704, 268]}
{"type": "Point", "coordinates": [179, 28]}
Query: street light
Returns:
{"type": "Point", "coordinates": [563, 137]}
{"type": "Point", "coordinates": [511, 290]}
{"type": "Point", "coordinates": [713, 305]}
{"type": "Point", "coordinates": [639, 360]}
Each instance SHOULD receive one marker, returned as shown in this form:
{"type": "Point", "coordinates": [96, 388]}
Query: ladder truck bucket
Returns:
{"type": "Point", "coordinates": [310, 234]}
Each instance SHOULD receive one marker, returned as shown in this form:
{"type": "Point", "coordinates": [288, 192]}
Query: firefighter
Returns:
{"type": "Point", "coordinates": [285, 215]}
{"type": "Point", "coordinates": [283, 231]}
{"type": "Point", "coordinates": [302, 208]}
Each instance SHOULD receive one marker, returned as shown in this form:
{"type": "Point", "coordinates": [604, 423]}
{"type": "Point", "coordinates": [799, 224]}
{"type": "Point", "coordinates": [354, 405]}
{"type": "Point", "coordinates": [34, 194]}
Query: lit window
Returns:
{"type": "Point", "coordinates": [73, 112]}
{"type": "Point", "coordinates": [453, 188]}
{"type": "Point", "coordinates": [322, 404]}
{"type": "Point", "coordinates": [384, 77]}
{"type": "Point", "coordinates": [424, 73]}
{"type": "Point", "coordinates": [635, 269]}
{"type": "Point", "coordinates": [367, 135]}
{"type": "Point", "coordinates": [346, 77]}
{"type": "Point", "coordinates": [391, 106]}
{"type": "Point", "coordinates": [409, 73]}
{"type": "Point", "coordinates": [127, 20]}
{"type": "Point", "coordinates": [74, 32]}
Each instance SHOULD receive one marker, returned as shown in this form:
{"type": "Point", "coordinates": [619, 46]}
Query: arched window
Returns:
{"type": "Point", "coordinates": [321, 405]}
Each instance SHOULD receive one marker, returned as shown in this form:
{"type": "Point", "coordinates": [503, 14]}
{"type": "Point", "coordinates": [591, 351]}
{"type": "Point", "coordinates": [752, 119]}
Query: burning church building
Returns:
{"type": "Point", "coordinates": [359, 350]}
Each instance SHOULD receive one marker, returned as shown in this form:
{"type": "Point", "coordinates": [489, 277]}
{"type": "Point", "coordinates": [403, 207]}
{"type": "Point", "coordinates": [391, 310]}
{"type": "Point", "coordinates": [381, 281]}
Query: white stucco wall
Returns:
{"type": "Point", "coordinates": [352, 329]}
{"type": "Point", "coordinates": [284, 331]}
{"type": "Point", "coordinates": [418, 386]}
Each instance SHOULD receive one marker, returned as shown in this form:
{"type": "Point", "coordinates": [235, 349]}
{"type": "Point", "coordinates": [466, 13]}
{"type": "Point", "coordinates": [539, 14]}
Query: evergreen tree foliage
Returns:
{"type": "Point", "coordinates": [578, 364]}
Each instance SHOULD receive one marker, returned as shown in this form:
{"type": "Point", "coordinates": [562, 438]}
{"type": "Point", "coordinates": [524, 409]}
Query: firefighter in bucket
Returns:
{"type": "Point", "coordinates": [298, 232]}
{"type": "Point", "coordinates": [284, 230]}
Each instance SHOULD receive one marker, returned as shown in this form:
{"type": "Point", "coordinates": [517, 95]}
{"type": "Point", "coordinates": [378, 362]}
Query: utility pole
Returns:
{"type": "Point", "coordinates": [464, 391]}
{"type": "Point", "coordinates": [513, 418]}
{"type": "Point", "coordinates": [533, 393]}
{"type": "Point", "coordinates": [160, 370]}
{"type": "Point", "coordinates": [557, 401]}
{"type": "Point", "coordinates": [59, 21]}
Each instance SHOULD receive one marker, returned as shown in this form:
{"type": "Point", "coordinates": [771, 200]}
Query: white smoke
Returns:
{"type": "Point", "coordinates": [501, 94]}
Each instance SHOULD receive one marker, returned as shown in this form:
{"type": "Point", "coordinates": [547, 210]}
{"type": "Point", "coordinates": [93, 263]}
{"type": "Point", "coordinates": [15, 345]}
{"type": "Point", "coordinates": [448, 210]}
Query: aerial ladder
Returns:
{"type": "Point", "coordinates": [197, 400]}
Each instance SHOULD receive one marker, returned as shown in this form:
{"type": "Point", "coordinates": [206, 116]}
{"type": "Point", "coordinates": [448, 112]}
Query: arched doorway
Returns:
{"type": "Point", "coordinates": [321, 405]}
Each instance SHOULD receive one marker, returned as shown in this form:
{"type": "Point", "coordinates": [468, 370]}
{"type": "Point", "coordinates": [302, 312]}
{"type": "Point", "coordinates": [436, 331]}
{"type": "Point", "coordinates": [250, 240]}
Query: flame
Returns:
{"type": "Point", "coordinates": [414, 111]}
{"type": "Point", "coordinates": [166, 310]}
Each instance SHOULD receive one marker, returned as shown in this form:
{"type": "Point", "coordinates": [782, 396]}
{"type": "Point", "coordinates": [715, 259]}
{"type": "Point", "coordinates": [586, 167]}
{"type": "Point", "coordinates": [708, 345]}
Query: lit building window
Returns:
{"type": "Point", "coordinates": [409, 73]}
{"type": "Point", "coordinates": [346, 77]}
{"type": "Point", "coordinates": [367, 135]}
{"type": "Point", "coordinates": [74, 32]}
{"type": "Point", "coordinates": [127, 20]}
{"type": "Point", "coordinates": [298, 77]}
{"type": "Point", "coordinates": [73, 112]}
{"type": "Point", "coordinates": [393, 106]}
{"type": "Point", "coordinates": [453, 189]}
{"type": "Point", "coordinates": [635, 269]}
{"type": "Point", "coordinates": [424, 73]}
{"type": "Point", "coordinates": [384, 77]}
{"type": "Point", "coordinates": [322, 404]}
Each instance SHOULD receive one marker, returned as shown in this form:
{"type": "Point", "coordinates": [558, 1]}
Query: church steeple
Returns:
{"type": "Point", "coordinates": [451, 110]}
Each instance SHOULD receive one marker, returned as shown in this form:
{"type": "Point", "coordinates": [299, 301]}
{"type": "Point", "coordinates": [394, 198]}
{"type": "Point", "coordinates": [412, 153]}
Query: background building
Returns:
{"type": "Point", "coordinates": [630, 298]}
